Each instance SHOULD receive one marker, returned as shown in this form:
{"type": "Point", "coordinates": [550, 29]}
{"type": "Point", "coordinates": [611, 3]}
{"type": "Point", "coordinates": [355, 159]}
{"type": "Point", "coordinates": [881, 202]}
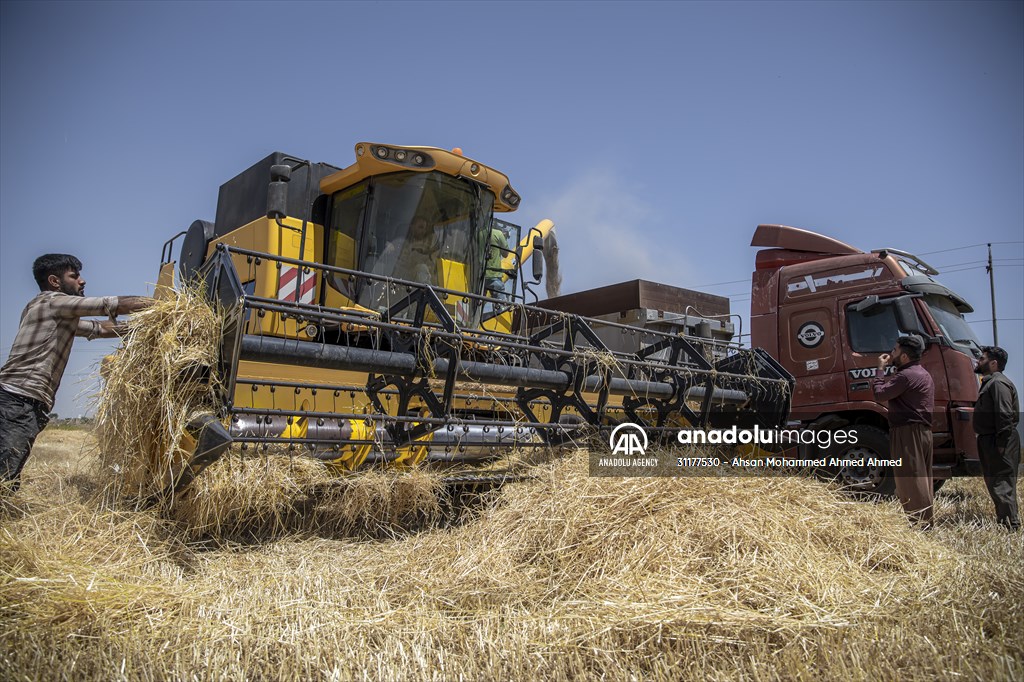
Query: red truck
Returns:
{"type": "Point", "coordinates": [826, 311]}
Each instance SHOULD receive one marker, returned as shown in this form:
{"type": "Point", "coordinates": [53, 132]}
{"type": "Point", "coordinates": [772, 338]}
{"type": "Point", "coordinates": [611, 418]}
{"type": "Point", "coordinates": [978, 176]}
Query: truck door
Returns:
{"type": "Point", "coordinates": [871, 328]}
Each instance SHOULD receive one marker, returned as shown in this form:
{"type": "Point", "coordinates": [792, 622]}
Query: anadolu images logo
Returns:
{"type": "Point", "coordinates": [628, 439]}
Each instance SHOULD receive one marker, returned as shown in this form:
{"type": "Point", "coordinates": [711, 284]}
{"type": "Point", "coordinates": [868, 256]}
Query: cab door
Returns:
{"type": "Point", "coordinates": [871, 328]}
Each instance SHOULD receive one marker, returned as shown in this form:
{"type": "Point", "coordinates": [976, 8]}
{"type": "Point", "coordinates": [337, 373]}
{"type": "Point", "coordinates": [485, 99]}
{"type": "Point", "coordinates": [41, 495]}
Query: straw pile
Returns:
{"type": "Point", "coordinates": [150, 393]}
{"type": "Point", "coordinates": [149, 396]}
{"type": "Point", "coordinates": [259, 499]}
{"type": "Point", "coordinates": [564, 577]}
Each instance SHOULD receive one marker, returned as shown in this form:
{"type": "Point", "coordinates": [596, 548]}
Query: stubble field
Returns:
{"type": "Point", "coordinates": [560, 577]}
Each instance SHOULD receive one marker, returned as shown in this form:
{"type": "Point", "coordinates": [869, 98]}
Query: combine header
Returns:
{"type": "Point", "coordinates": [378, 314]}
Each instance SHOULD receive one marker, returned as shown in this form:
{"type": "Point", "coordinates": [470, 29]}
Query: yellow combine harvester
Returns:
{"type": "Point", "coordinates": [378, 313]}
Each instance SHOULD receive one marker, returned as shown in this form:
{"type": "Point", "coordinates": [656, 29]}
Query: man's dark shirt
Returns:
{"type": "Point", "coordinates": [998, 409]}
{"type": "Point", "coordinates": [910, 393]}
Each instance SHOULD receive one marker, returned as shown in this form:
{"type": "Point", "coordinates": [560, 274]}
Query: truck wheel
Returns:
{"type": "Point", "coordinates": [863, 480]}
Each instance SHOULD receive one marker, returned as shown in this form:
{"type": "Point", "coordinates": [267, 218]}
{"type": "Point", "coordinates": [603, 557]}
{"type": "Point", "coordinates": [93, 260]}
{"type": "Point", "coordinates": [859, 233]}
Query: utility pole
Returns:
{"type": "Point", "coordinates": [992, 292]}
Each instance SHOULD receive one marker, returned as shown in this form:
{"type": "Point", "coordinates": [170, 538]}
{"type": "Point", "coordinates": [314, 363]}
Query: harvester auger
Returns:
{"type": "Point", "coordinates": [378, 315]}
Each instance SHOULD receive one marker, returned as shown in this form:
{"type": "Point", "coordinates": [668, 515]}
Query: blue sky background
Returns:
{"type": "Point", "coordinates": [655, 135]}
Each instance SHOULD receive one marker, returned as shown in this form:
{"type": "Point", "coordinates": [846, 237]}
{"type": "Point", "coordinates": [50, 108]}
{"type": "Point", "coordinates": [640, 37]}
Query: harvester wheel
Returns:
{"type": "Point", "coordinates": [872, 442]}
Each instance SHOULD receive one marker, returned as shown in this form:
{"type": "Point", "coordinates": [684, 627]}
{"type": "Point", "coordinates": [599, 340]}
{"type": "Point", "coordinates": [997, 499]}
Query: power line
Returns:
{"type": "Point", "coordinates": [973, 267]}
{"type": "Point", "coordinates": [1001, 319]}
{"type": "Point", "coordinates": [982, 261]}
{"type": "Point", "coordinates": [940, 267]}
{"type": "Point", "coordinates": [924, 253]}
{"type": "Point", "coordinates": [983, 267]}
{"type": "Point", "coordinates": [956, 265]}
{"type": "Point", "coordinates": [716, 284]}
{"type": "Point", "coordinates": [961, 248]}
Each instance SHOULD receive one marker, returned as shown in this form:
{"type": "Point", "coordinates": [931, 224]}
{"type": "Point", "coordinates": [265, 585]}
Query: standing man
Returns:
{"type": "Point", "coordinates": [31, 375]}
{"type": "Point", "coordinates": [995, 421]}
{"type": "Point", "coordinates": [910, 393]}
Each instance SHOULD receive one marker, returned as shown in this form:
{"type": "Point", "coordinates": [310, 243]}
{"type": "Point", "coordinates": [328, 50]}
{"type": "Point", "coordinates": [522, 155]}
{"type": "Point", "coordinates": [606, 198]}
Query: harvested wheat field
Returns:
{"type": "Point", "coordinates": [560, 577]}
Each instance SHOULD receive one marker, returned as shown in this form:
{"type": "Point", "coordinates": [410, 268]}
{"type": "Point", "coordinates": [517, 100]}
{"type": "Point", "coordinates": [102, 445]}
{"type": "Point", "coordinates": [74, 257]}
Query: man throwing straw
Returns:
{"type": "Point", "coordinates": [31, 375]}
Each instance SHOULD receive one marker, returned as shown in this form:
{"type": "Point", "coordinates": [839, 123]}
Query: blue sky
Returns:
{"type": "Point", "coordinates": [655, 135]}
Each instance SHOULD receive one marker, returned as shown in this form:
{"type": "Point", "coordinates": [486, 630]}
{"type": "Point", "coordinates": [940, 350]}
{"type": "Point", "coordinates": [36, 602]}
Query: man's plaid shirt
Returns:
{"type": "Point", "coordinates": [49, 325]}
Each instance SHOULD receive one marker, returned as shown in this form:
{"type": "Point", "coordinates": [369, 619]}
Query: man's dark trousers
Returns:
{"type": "Point", "coordinates": [21, 420]}
{"type": "Point", "coordinates": [1001, 475]}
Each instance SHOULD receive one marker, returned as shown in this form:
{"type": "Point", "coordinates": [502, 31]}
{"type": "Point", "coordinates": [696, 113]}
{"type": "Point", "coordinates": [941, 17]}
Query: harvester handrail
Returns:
{"type": "Point", "coordinates": [411, 285]}
{"type": "Point", "coordinates": [482, 336]}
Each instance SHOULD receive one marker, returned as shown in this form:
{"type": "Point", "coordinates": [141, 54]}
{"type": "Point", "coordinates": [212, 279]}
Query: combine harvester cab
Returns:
{"type": "Point", "coordinates": [378, 314]}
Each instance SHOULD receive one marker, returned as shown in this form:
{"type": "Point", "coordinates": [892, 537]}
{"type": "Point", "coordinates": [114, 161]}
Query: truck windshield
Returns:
{"type": "Point", "coordinates": [952, 324]}
{"type": "Point", "coordinates": [429, 228]}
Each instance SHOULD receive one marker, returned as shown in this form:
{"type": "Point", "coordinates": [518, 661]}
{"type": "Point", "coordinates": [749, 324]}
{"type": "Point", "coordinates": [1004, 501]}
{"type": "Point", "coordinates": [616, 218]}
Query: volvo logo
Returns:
{"type": "Point", "coordinates": [628, 439]}
{"type": "Point", "coordinates": [810, 335]}
{"type": "Point", "coordinates": [869, 372]}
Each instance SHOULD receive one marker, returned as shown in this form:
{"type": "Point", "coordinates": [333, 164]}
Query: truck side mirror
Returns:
{"type": "Point", "coordinates": [906, 316]}
{"type": "Point", "coordinates": [277, 191]}
{"type": "Point", "coordinates": [536, 260]}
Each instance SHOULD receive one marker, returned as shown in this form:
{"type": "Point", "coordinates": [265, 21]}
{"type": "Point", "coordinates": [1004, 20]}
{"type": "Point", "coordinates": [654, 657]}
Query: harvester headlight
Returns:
{"type": "Point", "coordinates": [312, 330]}
{"type": "Point", "coordinates": [404, 157]}
{"type": "Point", "coordinates": [359, 150]}
{"type": "Point", "coordinates": [510, 197]}
{"type": "Point", "coordinates": [474, 169]}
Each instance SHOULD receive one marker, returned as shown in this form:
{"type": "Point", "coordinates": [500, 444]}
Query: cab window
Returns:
{"type": "Point", "coordinates": [874, 330]}
{"type": "Point", "coordinates": [347, 211]}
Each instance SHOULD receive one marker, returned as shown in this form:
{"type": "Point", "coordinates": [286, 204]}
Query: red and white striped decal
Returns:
{"type": "Point", "coordinates": [288, 289]}
{"type": "Point", "coordinates": [462, 312]}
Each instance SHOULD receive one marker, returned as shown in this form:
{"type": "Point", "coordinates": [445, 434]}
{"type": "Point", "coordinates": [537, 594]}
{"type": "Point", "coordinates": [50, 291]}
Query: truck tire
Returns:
{"type": "Point", "coordinates": [874, 481]}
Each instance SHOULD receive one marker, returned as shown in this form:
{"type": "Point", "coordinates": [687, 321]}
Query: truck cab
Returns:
{"type": "Point", "coordinates": [827, 311]}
